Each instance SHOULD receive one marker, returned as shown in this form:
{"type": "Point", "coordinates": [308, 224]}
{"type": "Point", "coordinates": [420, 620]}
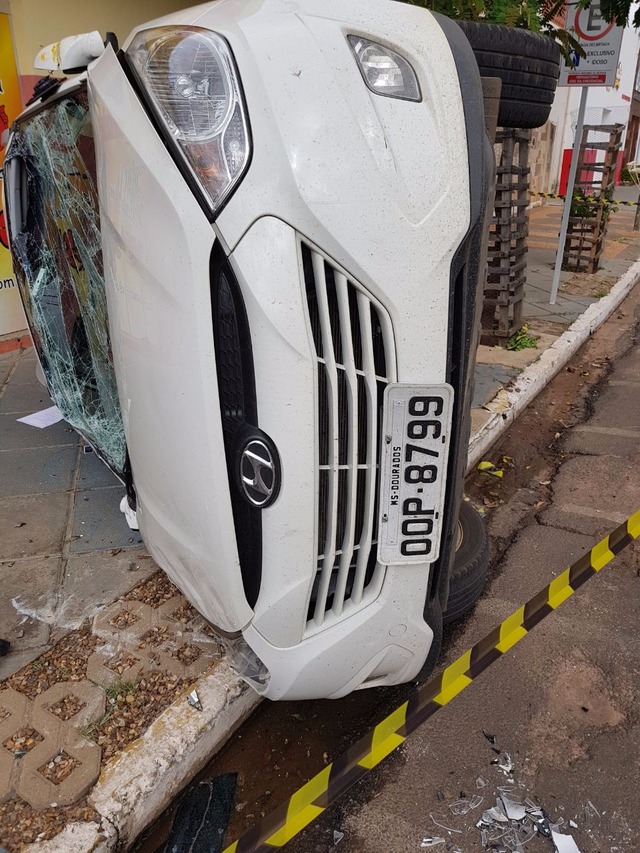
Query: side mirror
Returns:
{"type": "Point", "coordinates": [72, 54]}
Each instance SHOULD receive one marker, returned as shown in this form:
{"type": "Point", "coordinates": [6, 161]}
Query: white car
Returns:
{"type": "Point", "coordinates": [248, 246]}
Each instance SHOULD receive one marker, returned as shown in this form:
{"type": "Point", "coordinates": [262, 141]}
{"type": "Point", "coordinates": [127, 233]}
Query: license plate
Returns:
{"type": "Point", "coordinates": [415, 450]}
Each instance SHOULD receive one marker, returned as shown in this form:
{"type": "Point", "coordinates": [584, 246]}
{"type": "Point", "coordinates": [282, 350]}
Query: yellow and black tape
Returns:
{"type": "Point", "coordinates": [613, 201]}
{"type": "Point", "coordinates": [309, 801]}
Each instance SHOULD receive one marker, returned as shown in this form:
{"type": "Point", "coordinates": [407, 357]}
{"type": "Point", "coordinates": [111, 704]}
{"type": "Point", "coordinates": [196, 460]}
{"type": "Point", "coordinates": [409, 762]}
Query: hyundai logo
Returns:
{"type": "Point", "coordinates": [259, 475]}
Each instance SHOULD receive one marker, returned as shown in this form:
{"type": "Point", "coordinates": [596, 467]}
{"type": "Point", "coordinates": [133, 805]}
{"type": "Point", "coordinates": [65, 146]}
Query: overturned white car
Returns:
{"type": "Point", "coordinates": [248, 246]}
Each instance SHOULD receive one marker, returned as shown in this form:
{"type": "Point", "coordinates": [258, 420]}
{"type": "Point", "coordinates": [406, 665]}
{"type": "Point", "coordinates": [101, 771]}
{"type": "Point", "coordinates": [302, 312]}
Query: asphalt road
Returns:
{"type": "Point", "coordinates": [563, 703]}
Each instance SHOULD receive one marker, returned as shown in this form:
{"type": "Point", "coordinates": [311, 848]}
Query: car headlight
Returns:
{"type": "Point", "coordinates": [189, 76]}
{"type": "Point", "coordinates": [384, 71]}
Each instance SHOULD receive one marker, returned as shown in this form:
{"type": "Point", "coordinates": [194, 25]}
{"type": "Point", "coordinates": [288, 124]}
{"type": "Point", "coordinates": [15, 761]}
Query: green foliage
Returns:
{"type": "Point", "coordinates": [536, 15]}
{"type": "Point", "coordinates": [586, 205]}
{"type": "Point", "coordinates": [625, 176]}
{"type": "Point", "coordinates": [616, 10]}
{"type": "Point", "coordinates": [522, 339]}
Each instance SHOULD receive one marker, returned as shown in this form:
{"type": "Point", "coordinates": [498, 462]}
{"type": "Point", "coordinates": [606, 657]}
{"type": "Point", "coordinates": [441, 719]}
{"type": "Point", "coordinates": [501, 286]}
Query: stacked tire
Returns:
{"type": "Point", "coordinates": [528, 64]}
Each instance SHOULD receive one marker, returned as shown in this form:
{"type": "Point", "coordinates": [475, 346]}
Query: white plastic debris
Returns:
{"type": "Point", "coordinates": [194, 700]}
{"type": "Point", "coordinates": [130, 515]}
{"type": "Point", "coordinates": [564, 843]}
{"type": "Point", "coordinates": [337, 836]}
{"type": "Point", "coordinates": [43, 418]}
{"type": "Point", "coordinates": [508, 766]}
{"type": "Point", "coordinates": [481, 783]}
{"type": "Point", "coordinates": [432, 841]}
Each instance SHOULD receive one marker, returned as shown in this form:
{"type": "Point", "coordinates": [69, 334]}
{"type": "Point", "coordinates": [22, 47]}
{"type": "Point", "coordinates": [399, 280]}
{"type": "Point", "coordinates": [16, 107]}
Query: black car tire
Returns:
{"type": "Point", "coordinates": [470, 566]}
{"type": "Point", "coordinates": [528, 64]}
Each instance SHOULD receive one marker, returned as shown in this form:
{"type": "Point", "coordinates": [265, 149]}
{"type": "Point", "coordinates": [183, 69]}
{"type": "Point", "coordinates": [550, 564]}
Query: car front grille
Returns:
{"type": "Point", "coordinates": [355, 354]}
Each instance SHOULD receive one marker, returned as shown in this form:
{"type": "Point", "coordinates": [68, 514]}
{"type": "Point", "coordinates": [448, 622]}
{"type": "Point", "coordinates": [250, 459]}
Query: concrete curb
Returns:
{"type": "Point", "coordinates": [140, 782]}
{"type": "Point", "coordinates": [137, 785]}
{"type": "Point", "coordinates": [537, 375]}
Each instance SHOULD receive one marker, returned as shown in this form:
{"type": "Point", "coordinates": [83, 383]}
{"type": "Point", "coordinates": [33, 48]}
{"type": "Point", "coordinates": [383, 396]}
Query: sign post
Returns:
{"type": "Point", "coordinates": [601, 43]}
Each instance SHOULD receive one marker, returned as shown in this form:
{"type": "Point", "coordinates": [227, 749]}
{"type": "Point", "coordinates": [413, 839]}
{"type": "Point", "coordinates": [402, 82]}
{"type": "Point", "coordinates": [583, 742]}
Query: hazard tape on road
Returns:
{"type": "Point", "coordinates": [611, 201]}
{"type": "Point", "coordinates": [311, 800]}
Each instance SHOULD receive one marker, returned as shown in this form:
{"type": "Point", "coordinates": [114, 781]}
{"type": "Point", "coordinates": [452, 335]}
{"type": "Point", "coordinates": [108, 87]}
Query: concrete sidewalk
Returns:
{"type": "Point", "coordinates": [96, 734]}
{"type": "Point", "coordinates": [101, 642]}
{"type": "Point", "coordinates": [497, 368]}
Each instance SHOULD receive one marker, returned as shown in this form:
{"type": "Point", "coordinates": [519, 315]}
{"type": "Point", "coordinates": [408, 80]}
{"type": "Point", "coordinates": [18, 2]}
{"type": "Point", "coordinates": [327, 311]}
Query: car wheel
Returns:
{"type": "Point", "coordinates": [528, 64]}
{"type": "Point", "coordinates": [470, 565]}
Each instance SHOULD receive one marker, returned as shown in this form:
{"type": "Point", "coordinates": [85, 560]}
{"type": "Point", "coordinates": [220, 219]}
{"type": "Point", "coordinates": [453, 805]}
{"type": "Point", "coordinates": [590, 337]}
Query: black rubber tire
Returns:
{"type": "Point", "coordinates": [528, 64]}
{"type": "Point", "coordinates": [470, 566]}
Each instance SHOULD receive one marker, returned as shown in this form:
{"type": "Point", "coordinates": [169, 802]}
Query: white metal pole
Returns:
{"type": "Point", "coordinates": [569, 195]}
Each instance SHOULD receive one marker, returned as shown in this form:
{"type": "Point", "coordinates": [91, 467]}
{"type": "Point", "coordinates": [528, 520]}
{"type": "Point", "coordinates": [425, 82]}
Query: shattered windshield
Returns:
{"type": "Point", "coordinates": [55, 241]}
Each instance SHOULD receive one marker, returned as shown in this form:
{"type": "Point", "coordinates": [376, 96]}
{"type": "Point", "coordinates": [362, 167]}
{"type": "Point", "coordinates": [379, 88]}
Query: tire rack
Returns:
{"type": "Point", "coordinates": [585, 236]}
{"type": "Point", "coordinates": [507, 251]}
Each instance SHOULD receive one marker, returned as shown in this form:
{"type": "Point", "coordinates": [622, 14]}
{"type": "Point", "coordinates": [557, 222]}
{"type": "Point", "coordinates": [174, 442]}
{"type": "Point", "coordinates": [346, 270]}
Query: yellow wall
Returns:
{"type": "Point", "coordinates": [40, 22]}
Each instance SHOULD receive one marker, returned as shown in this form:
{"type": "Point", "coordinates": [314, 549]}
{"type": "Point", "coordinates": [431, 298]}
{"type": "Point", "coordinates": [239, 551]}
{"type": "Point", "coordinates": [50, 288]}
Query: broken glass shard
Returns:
{"type": "Point", "coordinates": [463, 806]}
{"type": "Point", "coordinates": [513, 810]}
{"type": "Point", "coordinates": [194, 700]}
{"type": "Point", "coordinates": [564, 843]}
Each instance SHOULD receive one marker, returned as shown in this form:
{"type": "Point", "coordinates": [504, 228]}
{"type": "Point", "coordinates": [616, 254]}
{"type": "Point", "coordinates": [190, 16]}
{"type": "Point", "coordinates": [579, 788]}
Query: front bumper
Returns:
{"type": "Point", "coordinates": [376, 193]}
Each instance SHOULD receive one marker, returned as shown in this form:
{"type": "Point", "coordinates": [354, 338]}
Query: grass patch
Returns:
{"type": "Point", "coordinates": [121, 690]}
{"type": "Point", "coordinates": [522, 340]}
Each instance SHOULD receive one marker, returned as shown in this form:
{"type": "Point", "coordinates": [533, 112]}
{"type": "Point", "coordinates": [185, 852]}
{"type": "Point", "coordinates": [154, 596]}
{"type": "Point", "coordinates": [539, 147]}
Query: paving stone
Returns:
{"type": "Point", "coordinates": [479, 417]}
{"type": "Point", "coordinates": [10, 357]}
{"type": "Point", "coordinates": [488, 380]}
{"type": "Point", "coordinates": [38, 791]}
{"type": "Point", "coordinates": [93, 580]}
{"type": "Point", "coordinates": [13, 716]}
{"type": "Point", "coordinates": [15, 660]}
{"type": "Point", "coordinates": [32, 525]}
{"type": "Point", "coordinates": [100, 524]}
{"type": "Point", "coordinates": [519, 358]}
{"type": "Point", "coordinates": [94, 474]}
{"type": "Point", "coordinates": [138, 636]}
{"type": "Point", "coordinates": [27, 603]}
{"type": "Point", "coordinates": [24, 399]}
{"type": "Point", "coordinates": [39, 471]}
{"type": "Point", "coordinates": [22, 773]}
{"type": "Point", "coordinates": [91, 700]}
{"type": "Point", "coordinates": [6, 365]}
{"type": "Point", "coordinates": [25, 372]}
{"type": "Point", "coordinates": [18, 436]}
